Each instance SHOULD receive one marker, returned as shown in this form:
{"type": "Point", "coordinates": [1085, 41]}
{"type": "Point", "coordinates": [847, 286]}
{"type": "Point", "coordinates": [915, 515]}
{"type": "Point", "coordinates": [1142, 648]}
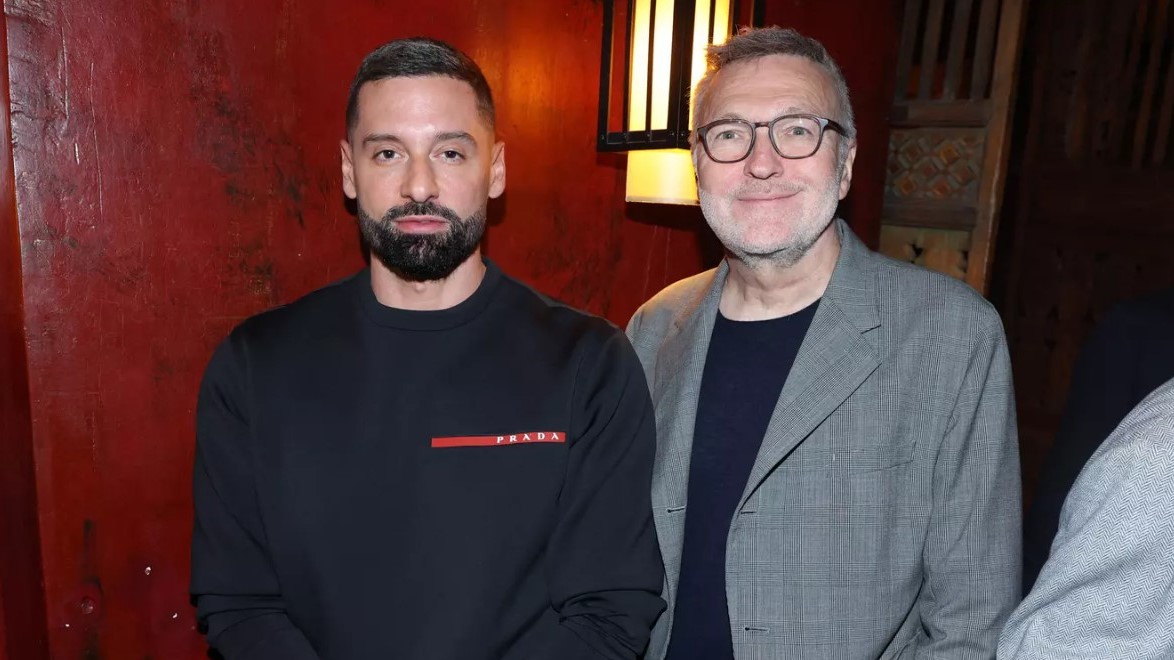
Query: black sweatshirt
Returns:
{"type": "Point", "coordinates": [467, 483]}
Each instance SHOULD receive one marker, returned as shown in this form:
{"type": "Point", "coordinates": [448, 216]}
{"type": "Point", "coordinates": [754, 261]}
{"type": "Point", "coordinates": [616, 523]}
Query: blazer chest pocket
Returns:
{"type": "Point", "coordinates": [872, 479]}
{"type": "Point", "coordinates": [859, 460]}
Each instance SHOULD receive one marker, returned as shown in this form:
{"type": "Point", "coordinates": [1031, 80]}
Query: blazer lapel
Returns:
{"type": "Point", "coordinates": [677, 384]}
{"type": "Point", "coordinates": [834, 359]}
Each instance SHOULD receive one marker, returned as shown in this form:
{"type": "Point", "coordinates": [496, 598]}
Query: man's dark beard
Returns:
{"type": "Point", "coordinates": [422, 257]}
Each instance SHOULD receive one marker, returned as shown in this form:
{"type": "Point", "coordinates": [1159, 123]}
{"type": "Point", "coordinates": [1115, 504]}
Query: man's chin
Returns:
{"type": "Point", "coordinates": [415, 266]}
{"type": "Point", "coordinates": [775, 250]}
{"type": "Point", "coordinates": [419, 273]}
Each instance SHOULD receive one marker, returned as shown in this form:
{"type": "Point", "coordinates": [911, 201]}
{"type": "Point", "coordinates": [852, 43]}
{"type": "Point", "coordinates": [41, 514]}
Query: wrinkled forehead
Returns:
{"type": "Point", "coordinates": [766, 87]}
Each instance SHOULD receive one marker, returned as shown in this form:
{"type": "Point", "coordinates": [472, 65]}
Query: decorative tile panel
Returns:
{"type": "Point", "coordinates": [934, 163]}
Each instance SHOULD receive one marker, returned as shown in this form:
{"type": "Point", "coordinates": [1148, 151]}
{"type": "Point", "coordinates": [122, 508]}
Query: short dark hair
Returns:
{"type": "Point", "coordinates": [753, 43]}
{"type": "Point", "coordinates": [418, 57]}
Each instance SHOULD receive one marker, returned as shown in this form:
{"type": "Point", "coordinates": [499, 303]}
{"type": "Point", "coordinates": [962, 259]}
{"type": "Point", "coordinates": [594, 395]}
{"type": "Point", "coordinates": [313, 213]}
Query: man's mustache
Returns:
{"type": "Point", "coordinates": [770, 190]}
{"type": "Point", "coordinates": [421, 208]}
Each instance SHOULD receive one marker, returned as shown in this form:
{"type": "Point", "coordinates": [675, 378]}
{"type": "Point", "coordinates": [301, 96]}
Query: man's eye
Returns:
{"type": "Point", "coordinates": [797, 131]}
{"type": "Point", "coordinates": [451, 154]}
{"type": "Point", "coordinates": [386, 154]}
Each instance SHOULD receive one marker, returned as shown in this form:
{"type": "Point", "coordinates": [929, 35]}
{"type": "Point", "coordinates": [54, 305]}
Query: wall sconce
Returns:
{"type": "Point", "coordinates": [663, 54]}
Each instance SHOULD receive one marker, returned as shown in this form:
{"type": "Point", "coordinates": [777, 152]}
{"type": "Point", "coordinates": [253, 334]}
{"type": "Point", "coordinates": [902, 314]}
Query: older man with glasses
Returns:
{"type": "Point", "coordinates": [837, 468]}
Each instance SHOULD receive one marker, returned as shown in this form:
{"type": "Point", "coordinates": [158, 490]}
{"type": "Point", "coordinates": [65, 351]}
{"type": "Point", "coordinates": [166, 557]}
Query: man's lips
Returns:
{"type": "Point", "coordinates": [767, 197]}
{"type": "Point", "coordinates": [421, 224]}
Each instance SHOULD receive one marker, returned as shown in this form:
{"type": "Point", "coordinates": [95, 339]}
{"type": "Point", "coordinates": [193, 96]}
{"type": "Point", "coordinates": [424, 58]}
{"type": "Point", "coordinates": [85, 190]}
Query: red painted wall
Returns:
{"type": "Point", "coordinates": [22, 607]}
{"type": "Point", "coordinates": [176, 170]}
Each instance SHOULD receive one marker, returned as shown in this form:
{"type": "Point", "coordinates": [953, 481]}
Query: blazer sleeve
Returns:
{"type": "Point", "coordinates": [237, 596]}
{"type": "Point", "coordinates": [606, 582]}
{"type": "Point", "coordinates": [1105, 591]}
{"type": "Point", "coordinates": [643, 338]}
{"type": "Point", "coordinates": [972, 554]}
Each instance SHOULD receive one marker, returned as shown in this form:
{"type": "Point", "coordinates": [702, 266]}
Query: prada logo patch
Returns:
{"type": "Point", "coordinates": [499, 440]}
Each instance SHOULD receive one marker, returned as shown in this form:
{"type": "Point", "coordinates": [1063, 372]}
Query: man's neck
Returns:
{"type": "Point", "coordinates": [767, 291]}
{"type": "Point", "coordinates": [394, 291]}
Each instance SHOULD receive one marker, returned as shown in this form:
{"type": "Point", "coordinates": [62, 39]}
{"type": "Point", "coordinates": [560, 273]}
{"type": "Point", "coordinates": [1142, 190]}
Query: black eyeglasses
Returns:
{"type": "Point", "coordinates": [792, 136]}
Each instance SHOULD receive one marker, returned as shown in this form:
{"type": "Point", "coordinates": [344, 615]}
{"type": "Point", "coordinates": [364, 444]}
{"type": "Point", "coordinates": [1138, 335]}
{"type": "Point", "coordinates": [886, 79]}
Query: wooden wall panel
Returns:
{"type": "Point", "coordinates": [1090, 207]}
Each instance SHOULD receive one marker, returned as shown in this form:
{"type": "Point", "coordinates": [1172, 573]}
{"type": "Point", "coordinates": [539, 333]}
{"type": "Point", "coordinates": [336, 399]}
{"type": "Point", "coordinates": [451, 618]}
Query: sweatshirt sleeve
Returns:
{"type": "Point", "coordinates": [605, 571]}
{"type": "Point", "coordinates": [233, 584]}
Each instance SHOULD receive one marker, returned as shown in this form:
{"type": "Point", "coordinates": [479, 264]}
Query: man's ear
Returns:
{"type": "Point", "coordinates": [348, 169]}
{"type": "Point", "coordinates": [497, 171]}
{"type": "Point", "coordinates": [846, 170]}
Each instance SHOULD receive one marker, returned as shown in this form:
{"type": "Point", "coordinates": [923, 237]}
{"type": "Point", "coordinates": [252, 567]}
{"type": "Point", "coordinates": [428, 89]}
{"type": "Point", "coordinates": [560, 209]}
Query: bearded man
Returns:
{"type": "Point", "coordinates": [428, 459]}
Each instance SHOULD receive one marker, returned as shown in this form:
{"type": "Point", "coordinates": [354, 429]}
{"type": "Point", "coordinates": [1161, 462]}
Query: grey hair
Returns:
{"type": "Point", "coordinates": [754, 43]}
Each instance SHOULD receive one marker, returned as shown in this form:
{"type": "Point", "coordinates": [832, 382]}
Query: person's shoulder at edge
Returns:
{"type": "Point", "coordinates": [678, 293]}
{"type": "Point", "coordinates": [920, 287]}
{"type": "Point", "coordinates": [1160, 302]}
{"type": "Point", "coordinates": [915, 301]}
{"type": "Point", "coordinates": [1140, 316]}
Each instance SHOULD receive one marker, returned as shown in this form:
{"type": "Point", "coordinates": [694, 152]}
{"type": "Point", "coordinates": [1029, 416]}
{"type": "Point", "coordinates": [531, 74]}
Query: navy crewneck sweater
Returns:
{"type": "Point", "coordinates": [745, 369]}
{"type": "Point", "coordinates": [459, 484]}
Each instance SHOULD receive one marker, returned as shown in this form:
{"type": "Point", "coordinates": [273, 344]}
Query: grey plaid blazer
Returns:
{"type": "Point", "coordinates": [882, 516]}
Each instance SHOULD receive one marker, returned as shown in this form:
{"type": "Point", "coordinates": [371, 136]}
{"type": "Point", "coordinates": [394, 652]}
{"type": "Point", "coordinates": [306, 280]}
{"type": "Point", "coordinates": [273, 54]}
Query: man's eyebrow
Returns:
{"type": "Point", "coordinates": [380, 137]}
{"type": "Point", "coordinates": [462, 136]}
{"type": "Point", "coordinates": [789, 110]}
{"type": "Point", "coordinates": [456, 135]}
